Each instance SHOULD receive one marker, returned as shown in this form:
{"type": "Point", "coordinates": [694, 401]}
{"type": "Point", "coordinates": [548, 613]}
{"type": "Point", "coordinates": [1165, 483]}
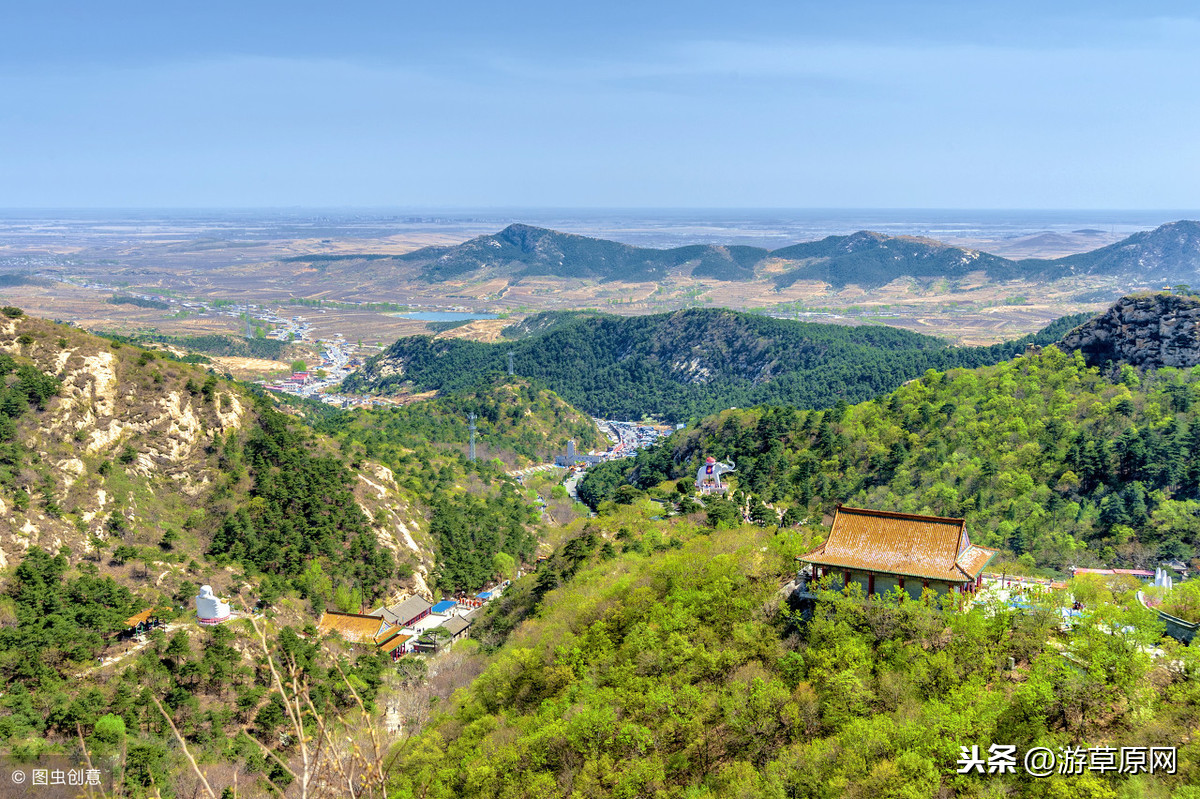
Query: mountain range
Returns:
{"type": "Point", "coordinates": [1168, 254]}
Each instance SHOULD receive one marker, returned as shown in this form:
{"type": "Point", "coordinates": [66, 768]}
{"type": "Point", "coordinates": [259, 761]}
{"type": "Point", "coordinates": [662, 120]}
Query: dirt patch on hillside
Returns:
{"type": "Point", "coordinates": [487, 330]}
{"type": "Point", "coordinates": [250, 367]}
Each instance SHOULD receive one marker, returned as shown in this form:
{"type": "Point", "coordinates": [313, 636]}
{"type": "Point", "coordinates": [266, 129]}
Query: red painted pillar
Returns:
{"type": "Point", "coordinates": [871, 584]}
{"type": "Point", "coordinates": [846, 584]}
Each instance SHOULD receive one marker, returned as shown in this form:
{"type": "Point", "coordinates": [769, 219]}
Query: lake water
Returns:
{"type": "Point", "coordinates": [445, 316]}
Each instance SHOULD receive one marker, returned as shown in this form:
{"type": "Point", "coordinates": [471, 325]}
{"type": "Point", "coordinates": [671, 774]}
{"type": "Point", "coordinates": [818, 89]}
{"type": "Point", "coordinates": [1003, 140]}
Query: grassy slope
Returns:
{"type": "Point", "coordinates": [675, 673]}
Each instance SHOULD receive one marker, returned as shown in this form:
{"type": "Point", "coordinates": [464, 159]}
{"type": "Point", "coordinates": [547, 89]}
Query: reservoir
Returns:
{"type": "Point", "coordinates": [445, 316]}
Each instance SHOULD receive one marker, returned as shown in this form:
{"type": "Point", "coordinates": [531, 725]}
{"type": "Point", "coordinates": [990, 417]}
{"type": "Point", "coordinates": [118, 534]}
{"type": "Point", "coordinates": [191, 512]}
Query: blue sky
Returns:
{"type": "Point", "coordinates": [650, 104]}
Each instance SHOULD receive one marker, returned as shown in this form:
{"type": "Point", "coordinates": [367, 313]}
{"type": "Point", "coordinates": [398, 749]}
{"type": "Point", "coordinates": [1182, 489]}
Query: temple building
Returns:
{"type": "Point", "coordinates": [881, 551]}
{"type": "Point", "coordinates": [368, 630]}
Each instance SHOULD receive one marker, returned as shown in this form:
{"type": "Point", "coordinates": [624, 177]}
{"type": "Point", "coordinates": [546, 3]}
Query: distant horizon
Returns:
{"type": "Point", "coordinates": [644, 226]}
{"type": "Point", "coordinates": [577, 208]}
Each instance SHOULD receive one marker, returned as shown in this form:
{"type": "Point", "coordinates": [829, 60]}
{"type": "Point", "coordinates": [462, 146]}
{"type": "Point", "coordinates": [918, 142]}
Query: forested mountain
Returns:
{"type": "Point", "coordinates": [107, 447]}
{"type": "Point", "coordinates": [425, 443]}
{"type": "Point", "coordinates": [1047, 458]}
{"type": "Point", "coordinates": [221, 345]}
{"type": "Point", "coordinates": [527, 250]}
{"type": "Point", "coordinates": [513, 417]}
{"type": "Point", "coordinates": [128, 479]}
{"type": "Point", "coordinates": [646, 656]}
{"type": "Point", "coordinates": [132, 452]}
{"type": "Point", "coordinates": [1169, 254]}
{"type": "Point", "coordinates": [872, 259]}
{"type": "Point", "coordinates": [683, 364]}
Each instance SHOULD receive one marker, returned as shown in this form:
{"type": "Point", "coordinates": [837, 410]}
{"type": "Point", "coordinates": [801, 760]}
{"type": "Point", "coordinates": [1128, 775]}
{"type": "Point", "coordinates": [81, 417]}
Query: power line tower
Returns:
{"type": "Point", "coordinates": [472, 417]}
{"type": "Point", "coordinates": [510, 363]}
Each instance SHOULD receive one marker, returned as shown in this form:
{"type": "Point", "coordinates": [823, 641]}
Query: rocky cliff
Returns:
{"type": "Point", "coordinates": [134, 449]}
{"type": "Point", "coordinates": [1146, 330]}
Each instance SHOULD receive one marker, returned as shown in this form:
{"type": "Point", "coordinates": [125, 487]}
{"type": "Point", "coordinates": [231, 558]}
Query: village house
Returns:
{"type": "Point", "coordinates": [882, 551]}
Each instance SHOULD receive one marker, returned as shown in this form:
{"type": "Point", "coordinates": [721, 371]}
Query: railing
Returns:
{"type": "Point", "coordinates": [1177, 628]}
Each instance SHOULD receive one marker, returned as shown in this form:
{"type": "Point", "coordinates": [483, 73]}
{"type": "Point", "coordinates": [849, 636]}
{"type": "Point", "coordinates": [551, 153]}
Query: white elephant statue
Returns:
{"type": "Point", "coordinates": [708, 478]}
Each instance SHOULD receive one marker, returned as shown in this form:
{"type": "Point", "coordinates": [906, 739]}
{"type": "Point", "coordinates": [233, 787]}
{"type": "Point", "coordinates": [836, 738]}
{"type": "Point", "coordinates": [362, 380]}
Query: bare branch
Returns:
{"type": "Point", "coordinates": [183, 745]}
{"type": "Point", "coordinates": [87, 758]}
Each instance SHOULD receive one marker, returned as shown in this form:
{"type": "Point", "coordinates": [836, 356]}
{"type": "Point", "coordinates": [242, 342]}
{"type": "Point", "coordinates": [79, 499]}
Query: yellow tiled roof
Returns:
{"type": "Point", "coordinates": [138, 618]}
{"type": "Point", "coordinates": [928, 547]}
{"type": "Point", "coordinates": [354, 627]}
{"type": "Point", "coordinates": [392, 638]}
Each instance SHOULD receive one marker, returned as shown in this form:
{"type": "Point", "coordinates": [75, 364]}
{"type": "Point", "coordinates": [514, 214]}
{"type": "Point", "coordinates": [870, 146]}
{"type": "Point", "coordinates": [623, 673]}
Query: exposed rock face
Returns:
{"type": "Point", "coordinates": [1149, 330]}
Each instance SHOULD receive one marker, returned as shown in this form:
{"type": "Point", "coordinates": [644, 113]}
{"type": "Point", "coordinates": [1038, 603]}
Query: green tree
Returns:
{"type": "Point", "coordinates": [504, 565]}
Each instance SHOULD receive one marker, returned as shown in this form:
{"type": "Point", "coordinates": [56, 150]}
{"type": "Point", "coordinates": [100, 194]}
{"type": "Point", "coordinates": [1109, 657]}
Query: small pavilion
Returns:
{"type": "Point", "coordinates": [140, 623]}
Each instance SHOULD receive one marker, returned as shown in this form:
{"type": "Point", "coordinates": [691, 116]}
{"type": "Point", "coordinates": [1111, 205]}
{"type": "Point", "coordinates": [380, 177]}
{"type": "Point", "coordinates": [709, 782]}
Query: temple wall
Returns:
{"type": "Point", "coordinates": [885, 583]}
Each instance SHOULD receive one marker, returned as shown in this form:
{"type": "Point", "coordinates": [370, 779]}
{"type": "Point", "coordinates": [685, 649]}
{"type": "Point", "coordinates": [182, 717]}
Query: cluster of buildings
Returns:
{"type": "Point", "coordinates": [627, 438]}
{"type": "Point", "coordinates": [291, 385]}
{"type": "Point", "coordinates": [1164, 576]}
{"type": "Point", "coordinates": [573, 458]}
{"type": "Point", "coordinates": [411, 625]}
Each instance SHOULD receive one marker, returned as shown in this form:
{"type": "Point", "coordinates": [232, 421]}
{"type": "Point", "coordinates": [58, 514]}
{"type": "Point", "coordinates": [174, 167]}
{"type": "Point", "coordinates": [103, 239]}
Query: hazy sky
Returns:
{"type": "Point", "coordinates": [669, 104]}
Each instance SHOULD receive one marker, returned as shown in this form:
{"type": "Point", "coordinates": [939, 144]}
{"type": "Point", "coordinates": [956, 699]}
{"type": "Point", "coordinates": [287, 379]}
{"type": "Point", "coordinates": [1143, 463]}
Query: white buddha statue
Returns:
{"type": "Point", "coordinates": [209, 609]}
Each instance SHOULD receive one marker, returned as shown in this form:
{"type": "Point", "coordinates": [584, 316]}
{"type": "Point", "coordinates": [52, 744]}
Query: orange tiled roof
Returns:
{"type": "Point", "coordinates": [392, 638]}
{"type": "Point", "coordinates": [929, 547]}
{"type": "Point", "coordinates": [354, 627]}
{"type": "Point", "coordinates": [139, 618]}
